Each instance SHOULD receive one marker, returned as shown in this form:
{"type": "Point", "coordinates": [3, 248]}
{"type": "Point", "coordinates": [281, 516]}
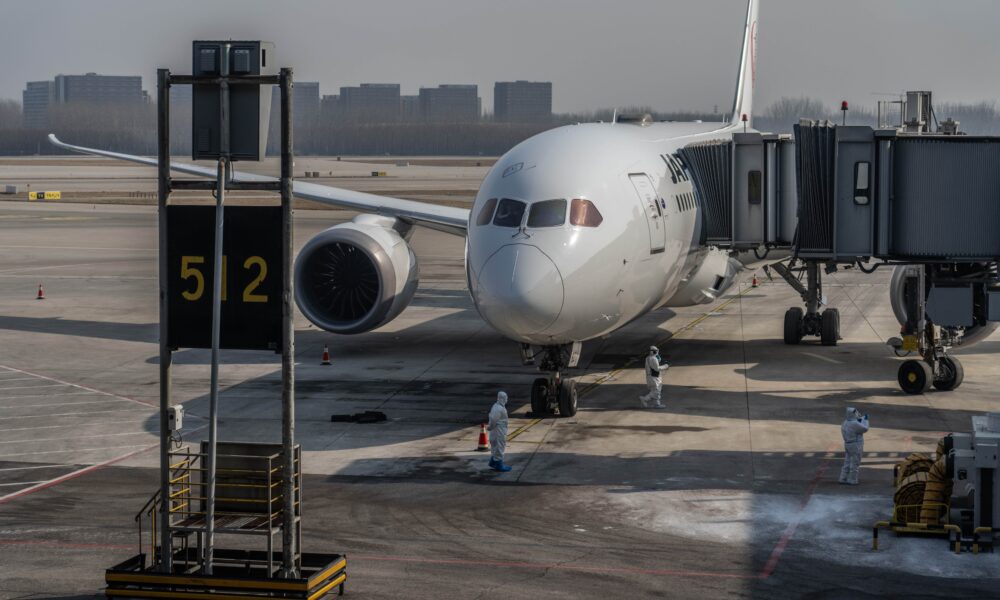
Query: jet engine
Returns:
{"type": "Point", "coordinates": [711, 276]}
{"type": "Point", "coordinates": [356, 276]}
{"type": "Point", "coordinates": [903, 283]}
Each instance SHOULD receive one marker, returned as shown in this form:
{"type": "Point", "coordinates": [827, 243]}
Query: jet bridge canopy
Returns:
{"type": "Point", "coordinates": [840, 194]}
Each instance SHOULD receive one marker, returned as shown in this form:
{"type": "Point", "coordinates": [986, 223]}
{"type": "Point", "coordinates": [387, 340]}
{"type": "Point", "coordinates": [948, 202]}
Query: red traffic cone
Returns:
{"type": "Point", "coordinates": [326, 355]}
{"type": "Point", "coordinates": [41, 293]}
{"type": "Point", "coordinates": [484, 442]}
{"type": "Point", "coordinates": [753, 282]}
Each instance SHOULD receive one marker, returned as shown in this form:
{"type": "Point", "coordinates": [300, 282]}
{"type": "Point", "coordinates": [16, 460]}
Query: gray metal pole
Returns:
{"type": "Point", "coordinates": [289, 522]}
{"type": "Point", "coordinates": [163, 192]}
{"type": "Point", "coordinates": [213, 403]}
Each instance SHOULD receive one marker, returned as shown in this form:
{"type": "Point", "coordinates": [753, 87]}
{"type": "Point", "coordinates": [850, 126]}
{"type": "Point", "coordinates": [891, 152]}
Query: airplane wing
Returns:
{"type": "Point", "coordinates": [443, 218]}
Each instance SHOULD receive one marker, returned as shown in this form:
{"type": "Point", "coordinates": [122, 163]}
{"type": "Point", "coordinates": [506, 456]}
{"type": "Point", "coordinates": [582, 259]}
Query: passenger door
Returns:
{"type": "Point", "coordinates": [650, 202]}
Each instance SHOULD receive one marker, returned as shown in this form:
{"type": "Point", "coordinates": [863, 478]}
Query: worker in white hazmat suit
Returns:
{"type": "Point", "coordinates": [654, 365]}
{"type": "Point", "coordinates": [853, 430]}
{"type": "Point", "coordinates": [497, 426]}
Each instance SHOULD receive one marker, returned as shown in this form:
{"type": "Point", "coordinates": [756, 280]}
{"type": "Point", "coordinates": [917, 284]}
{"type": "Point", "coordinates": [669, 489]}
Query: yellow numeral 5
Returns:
{"type": "Point", "coordinates": [187, 272]}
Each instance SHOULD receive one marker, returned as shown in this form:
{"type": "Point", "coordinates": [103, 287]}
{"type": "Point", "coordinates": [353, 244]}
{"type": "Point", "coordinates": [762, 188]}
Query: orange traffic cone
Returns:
{"type": "Point", "coordinates": [326, 355]}
{"type": "Point", "coordinates": [41, 293]}
{"type": "Point", "coordinates": [753, 282]}
{"type": "Point", "coordinates": [484, 442]}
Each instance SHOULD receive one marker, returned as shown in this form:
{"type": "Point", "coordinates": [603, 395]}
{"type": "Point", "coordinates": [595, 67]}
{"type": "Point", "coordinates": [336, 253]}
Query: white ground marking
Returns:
{"type": "Point", "coordinates": [32, 467]}
{"type": "Point", "coordinates": [29, 387]}
{"type": "Point", "coordinates": [2, 406]}
{"type": "Point", "coordinates": [74, 451]}
{"type": "Point", "coordinates": [78, 386]}
{"type": "Point", "coordinates": [78, 437]}
{"type": "Point", "coordinates": [71, 414]}
{"type": "Point", "coordinates": [826, 358]}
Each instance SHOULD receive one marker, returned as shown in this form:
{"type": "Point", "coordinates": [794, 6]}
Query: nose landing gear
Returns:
{"type": "Point", "coordinates": [554, 393]}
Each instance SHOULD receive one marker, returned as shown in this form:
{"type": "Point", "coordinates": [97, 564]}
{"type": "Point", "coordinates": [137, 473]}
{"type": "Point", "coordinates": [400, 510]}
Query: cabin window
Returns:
{"type": "Point", "coordinates": [583, 213]}
{"type": "Point", "coordinates": [486, 213]}
{"type": "Point", "coordinates": [547, 213]}
{"type": "Point", "coordinates": [510, 213]}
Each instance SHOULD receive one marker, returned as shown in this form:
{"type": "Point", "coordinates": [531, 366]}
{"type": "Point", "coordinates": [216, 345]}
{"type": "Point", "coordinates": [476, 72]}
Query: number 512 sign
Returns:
{"type": "Point", "coordinates": [251, 277]}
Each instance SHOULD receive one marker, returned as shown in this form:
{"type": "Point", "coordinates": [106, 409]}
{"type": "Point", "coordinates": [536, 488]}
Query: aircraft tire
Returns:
{"type": "Point", "coordinates": [953, 372]}
{"type": "Point", "coordinates": [567, 399]}
{"type": "Point", "coordinates": [793, 326]}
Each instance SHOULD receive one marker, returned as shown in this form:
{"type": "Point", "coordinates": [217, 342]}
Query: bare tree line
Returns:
{"type": "Point", "coordinates": [132, 128]}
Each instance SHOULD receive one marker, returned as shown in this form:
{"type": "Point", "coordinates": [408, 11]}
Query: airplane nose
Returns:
{"type": "Point", "coordinates": [520, 290]}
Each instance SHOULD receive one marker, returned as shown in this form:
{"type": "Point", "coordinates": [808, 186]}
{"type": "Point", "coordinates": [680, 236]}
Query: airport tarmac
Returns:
{"type": "Point", "coordinates": [730, 492]}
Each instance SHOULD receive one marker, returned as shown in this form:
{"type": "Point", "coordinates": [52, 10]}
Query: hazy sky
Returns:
{"type": "Point", "coordinates": [668, 54]}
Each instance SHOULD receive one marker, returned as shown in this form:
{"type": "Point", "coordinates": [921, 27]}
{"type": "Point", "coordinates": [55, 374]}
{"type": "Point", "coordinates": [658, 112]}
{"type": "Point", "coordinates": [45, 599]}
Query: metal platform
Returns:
{"type": "Point", "coordinates": [237, 574]}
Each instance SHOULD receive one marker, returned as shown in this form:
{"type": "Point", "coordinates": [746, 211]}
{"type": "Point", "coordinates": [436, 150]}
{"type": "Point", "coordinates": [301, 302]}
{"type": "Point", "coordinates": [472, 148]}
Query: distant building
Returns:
{"type": "Point", "coordinates": [371, 103]}
{"type": "Point", "coordinates": [455, 103]}
{"type": "Point", "coordinates": [329, 109]}
{"type": "Point", "coordinates": [410, 108]}
{"type": "Point", "coordinates": [516, 101]}
{"type": "Point", "coordinates": [305, 104]}
{"type": "Point", "coordinates": [39, 97]}
{"type": "Point", "coordinates": [35, 101]}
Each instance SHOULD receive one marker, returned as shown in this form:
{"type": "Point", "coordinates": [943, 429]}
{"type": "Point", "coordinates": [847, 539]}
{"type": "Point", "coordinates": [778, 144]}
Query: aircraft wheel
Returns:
{"type": "Point", "coordinates": [952, 374]}
{"type": "Point", "coordinates": [793, 325]}
{"type": "Point", "coordinates": [567, 399]}
{"type": "Point", "coordinates": [540, 396]}
{"type": "Point", "coordinates": [830, 327]}
{"type": "Point", "coordinates": [915, 376]}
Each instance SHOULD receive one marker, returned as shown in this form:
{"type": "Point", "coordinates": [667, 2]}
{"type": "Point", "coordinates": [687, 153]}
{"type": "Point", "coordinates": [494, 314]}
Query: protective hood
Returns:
{"type": "Point", "coordinates": [502, 398]}
{"type": "Point", "coordinates": [851, 413]}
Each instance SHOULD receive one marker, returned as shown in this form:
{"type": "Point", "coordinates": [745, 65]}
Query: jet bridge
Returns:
{"type": "Point", "coordinates": [927, 204]}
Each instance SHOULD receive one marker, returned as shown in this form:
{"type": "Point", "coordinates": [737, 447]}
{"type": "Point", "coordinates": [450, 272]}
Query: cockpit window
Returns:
{"type": "Point", "coordinates": [510, 213]}
{"type": "Point", "coordinates": [486, 214]}
{"type": "Point", "coordinates": [547, 213]}
{"type": "Point", "coordinates": [583, 213]}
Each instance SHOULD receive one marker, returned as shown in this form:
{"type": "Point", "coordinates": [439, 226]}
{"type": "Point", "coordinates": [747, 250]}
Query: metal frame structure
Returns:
{"type": "Point", "coordinates": [291, 555]}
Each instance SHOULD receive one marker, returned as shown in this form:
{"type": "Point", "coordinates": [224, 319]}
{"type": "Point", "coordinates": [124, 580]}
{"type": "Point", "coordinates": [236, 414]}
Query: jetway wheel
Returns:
{"type": "Point", "coordinates": [915, 376]}
{"type": "Point", "coordinates": [540, 396]}
{"type": "Point", "coordinates": [567, 398]}
{"type": "Point", "coordinates": [830, 327]}
{"type": "Point", "coordinates": [793, 325]}
{"type": "Point", "coordinates": [952, 374]}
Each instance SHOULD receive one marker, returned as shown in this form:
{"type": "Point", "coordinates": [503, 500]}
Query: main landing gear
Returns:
{"type": "Point", "coordinates": [799, 323]}
{"type": "Point", "coordinates": [554, 392]}
{"type": "Point", "coordinates": [930, 341]}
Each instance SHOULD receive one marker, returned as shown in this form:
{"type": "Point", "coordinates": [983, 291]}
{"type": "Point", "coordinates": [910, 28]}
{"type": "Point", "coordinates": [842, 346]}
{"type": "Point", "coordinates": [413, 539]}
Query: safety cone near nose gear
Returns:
{"type": "Point", "coordinates": [484, 442]}
{"type": "Point", "coordinates": [753, 282]}
{"type": "Point", "coordinates": [326, 355]}
{"type": "Point", "coordinates": [41, 293]}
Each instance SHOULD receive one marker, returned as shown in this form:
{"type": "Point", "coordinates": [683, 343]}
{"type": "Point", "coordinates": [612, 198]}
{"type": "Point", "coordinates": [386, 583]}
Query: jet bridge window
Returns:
{"type": "Point", "coordinates": [583, 213]}
{"type": "Point", "coordinates": [486, 214]}
{"type": "Point", "coordinates": [510, 213]}
{"type": "Point", "coordinates": [547, 213]}
{"type": "Point", "coordinates": [861, 185]}
{"type": "Point", "coordinates": [755, 188]}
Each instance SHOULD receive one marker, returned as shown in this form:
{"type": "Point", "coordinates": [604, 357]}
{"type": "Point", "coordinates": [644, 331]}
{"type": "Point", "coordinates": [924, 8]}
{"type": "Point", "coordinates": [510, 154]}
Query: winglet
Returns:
{"type": "Point", "coordinates": [743, 102]}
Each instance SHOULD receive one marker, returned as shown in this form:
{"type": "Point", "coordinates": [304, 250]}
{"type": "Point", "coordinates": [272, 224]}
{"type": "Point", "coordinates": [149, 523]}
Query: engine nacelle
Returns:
{"type": "Point", "coordinates": [357, 276]}
{"type": "Point", "coordinates": [897, 296]}
{"type": "Point", "coordinates": [709, 279]}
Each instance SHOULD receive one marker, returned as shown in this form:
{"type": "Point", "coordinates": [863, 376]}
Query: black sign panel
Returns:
{"type": "Point", "coordinates": [251, 283]}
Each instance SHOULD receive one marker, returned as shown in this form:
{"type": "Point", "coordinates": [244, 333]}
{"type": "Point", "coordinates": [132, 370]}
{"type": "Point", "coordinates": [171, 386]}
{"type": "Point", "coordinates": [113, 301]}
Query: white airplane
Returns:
{"type": "Point", "coordinates": [574, 233]}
